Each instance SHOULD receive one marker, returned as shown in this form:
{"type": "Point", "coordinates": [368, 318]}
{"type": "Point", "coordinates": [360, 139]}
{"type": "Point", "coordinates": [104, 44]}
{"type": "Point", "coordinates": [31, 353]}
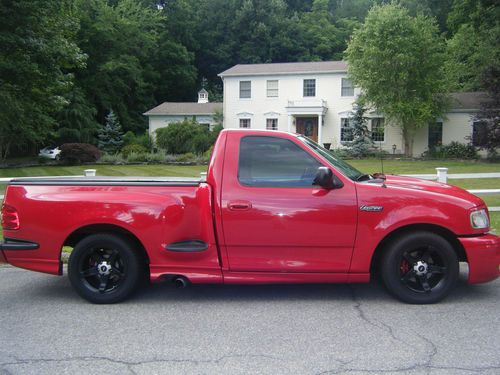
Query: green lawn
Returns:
{"type": "Point", "coordinates": [106, 170]}
{"type": "Point", "coordinates": [423, 166]}
{"type": "Point", "coordinates": [366, 165]}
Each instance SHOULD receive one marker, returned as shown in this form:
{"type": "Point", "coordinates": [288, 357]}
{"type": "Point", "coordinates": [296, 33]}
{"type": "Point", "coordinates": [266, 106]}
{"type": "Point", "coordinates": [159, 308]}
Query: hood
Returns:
{"type": "Point", "coordinates": [416, 184]}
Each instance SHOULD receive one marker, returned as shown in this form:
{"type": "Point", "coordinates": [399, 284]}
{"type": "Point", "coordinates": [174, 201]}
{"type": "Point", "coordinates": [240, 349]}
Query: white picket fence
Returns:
{"type": "Point", "coordinates": [440, 176]}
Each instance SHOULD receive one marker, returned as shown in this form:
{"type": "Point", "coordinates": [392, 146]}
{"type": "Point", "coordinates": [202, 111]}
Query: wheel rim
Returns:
{"type": "Point", "coordinates": [102, 270]}
{"type": "Point", "coordinates": [423, 270]}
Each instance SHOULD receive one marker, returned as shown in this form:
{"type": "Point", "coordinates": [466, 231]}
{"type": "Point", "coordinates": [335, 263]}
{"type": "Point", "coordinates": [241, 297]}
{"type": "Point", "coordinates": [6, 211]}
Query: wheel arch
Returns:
{"type": "Point", "coordinates": [439, 230]}
{"type": "Point", "coordinates": [80, 233]}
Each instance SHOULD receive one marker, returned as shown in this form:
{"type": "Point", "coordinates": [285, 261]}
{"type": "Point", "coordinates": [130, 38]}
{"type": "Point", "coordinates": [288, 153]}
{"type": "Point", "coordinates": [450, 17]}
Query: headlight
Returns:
{"type": "Point", "coordinates": [479, 219]}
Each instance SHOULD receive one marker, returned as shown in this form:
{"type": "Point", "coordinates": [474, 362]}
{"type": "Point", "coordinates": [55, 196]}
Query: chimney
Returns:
{"type": "Point", "coordinates": [203, 96]}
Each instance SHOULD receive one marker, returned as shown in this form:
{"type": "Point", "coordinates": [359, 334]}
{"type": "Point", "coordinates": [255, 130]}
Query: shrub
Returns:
{"type": "Point", "coordinates": [155, 157]}
{"type": "Point", "coordinates": [454, 150]}
{"type": "Point", "coordinates": [146, 157]}
{"type": "Point", "coordinates": [144, 139]}
{"type": "Point", "coordinates": [186, 136]}
{"type": "Point", "coordinates": [112, 159]}
{"type": "Point", "coordinates": [76, 153]}
{"type": "Point", "coordinates": [134, 147]}
{"type": "Point", "coordinates": [187, 157]}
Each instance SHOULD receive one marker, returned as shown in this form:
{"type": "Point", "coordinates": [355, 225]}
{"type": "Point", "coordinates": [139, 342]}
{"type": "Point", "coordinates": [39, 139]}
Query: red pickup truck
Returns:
{"type": "Point", "coordinates": [275, 207]}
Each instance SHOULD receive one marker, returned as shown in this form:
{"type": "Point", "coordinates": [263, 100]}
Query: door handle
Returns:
{"type": "Point", "coordinates": [239, 205]}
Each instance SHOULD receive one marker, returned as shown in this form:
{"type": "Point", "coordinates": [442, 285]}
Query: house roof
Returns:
{"type": "Point", "coordinates": [462, 101]}
{"type": "Point", "coordinates": [178, 108]}
{"type": "Point", "coordinates": [286, 68]}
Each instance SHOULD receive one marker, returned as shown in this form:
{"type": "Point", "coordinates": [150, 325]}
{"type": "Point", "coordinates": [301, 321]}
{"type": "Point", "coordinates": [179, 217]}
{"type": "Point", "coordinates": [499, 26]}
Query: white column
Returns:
{"type": "Point", "coordinates": [289, 123]}
{"type": "Point", "coordinates": [320, 129]}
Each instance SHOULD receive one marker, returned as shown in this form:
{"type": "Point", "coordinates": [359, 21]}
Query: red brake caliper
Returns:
{"type": "Point", "coordinates": [404, 267]}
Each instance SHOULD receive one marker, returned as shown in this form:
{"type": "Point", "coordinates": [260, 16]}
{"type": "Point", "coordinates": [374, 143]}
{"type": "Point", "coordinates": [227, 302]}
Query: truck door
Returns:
{"type": "Point", "coordinates": [273, 218]}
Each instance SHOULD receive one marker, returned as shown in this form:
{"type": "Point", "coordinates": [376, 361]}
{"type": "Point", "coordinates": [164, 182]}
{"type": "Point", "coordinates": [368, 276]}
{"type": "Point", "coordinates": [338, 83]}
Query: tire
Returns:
{"type": "Point", "coordinates": [104, 268]}
{"type": "Point", "coordinates": [420, 268]}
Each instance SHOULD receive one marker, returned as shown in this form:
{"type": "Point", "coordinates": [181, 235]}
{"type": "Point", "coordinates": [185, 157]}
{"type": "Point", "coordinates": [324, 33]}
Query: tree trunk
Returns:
{"type": "Point", "coordinates": [408, 137]}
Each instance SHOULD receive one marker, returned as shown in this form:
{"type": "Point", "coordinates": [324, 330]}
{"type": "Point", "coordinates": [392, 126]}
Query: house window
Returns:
{"type": "Point", "coordinates": [479, 134]}
{"type": "Point", "coordinates": [435, 135]}
{"type": "Point", "coordinates": [272, 89]}
{"type": "Point", "coordinates": [378, 129]}
{"type": "Point", "coordinates": [347, 88]}
{"type": "Point", "coordinates": [244, 123]}
{"type": "Point", "coordinates": [245, 89]}
{"type": "Point", "coordinates": [272, 124]}
{"type": "Point", "coordinates": [275, 162]}
{"type": "Point", "coordinates": [309, 87]}
{"type": "Point", "coordinates": [346, 130]}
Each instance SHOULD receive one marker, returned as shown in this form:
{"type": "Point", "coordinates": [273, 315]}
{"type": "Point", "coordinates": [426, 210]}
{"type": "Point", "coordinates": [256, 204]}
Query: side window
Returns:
{"type": "Point", "coordinates": [275, 162]}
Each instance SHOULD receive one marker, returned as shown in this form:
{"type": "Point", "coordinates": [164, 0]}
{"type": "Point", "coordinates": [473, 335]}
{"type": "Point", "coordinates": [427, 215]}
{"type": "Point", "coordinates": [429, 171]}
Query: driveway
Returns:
{"type": "Point", "coordinates": [45, 328]}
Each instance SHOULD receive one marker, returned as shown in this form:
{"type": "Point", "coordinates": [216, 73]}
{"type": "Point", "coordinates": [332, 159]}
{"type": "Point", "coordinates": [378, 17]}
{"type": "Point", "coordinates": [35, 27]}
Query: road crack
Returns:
{"type": "Point", "coordinates": [131, 364]}
{"type": "Point", "coordinates": [373, 322]}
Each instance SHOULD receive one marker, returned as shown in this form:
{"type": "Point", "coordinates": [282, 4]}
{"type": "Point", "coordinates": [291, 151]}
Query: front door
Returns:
{"type": "Point", "coordinates": [273, 218]}
{"type": "Point", "coordinates": [308, 126]}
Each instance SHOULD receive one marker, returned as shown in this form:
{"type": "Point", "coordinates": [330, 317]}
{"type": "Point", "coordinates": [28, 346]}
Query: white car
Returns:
{"type": "Point", "coordinates": [50, 153]}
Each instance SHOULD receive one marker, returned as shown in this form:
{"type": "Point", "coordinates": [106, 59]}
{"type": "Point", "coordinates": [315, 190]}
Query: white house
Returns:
{"type": "Point", "coordinates": [316, 99]}
{"type": "Point", "coordinates": [203, 112]}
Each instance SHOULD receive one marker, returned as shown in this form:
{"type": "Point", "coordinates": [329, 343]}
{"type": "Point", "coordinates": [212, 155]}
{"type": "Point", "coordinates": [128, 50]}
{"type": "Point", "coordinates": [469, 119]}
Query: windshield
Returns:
{"type": "Point", "coordinates": [339, 164]}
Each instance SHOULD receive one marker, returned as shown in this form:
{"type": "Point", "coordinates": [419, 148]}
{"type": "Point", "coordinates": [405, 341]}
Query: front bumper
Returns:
{"type": "Point", "coordinates": [483, 256]}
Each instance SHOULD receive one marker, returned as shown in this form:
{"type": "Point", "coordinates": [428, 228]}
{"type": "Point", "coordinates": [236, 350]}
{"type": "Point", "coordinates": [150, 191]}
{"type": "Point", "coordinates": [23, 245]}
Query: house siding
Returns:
{"type": "Point", "coordinates": [457, 126]}
{"type": "Point", "coordinates": [290, 88]}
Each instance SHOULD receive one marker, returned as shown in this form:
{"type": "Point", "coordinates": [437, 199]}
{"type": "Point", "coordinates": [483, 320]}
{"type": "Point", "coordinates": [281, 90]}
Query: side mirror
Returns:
{"type": "Point", "coordinates": [326, 179]}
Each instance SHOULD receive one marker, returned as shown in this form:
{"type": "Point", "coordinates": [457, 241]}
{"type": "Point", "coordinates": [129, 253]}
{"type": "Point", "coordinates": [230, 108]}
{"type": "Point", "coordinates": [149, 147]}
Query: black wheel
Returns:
{"type": "Point", "coordinates": [104, 268]}
{"type": "Point", "coordinates": [420, 268]}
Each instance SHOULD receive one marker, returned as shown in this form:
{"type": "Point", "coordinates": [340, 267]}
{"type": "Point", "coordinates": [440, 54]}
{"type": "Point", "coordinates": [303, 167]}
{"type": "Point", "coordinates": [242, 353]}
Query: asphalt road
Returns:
{"type": "Point", "coordinates": [45, 328]}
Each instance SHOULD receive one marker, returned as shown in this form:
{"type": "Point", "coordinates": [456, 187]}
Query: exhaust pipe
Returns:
{"type": "Point", "coordinates": [180, 282]}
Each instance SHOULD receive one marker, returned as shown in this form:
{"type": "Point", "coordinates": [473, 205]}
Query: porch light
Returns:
{"type": "Point", "coordinates": [394, 147]}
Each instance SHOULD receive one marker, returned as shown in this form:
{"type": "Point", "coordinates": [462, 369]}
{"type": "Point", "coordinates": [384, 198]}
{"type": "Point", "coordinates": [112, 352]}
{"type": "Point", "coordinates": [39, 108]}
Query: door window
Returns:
{"type": "Point", "coordinates": [275, 162]}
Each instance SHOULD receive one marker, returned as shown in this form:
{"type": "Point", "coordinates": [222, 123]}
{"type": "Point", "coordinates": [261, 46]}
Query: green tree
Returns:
{"type": "Point", "coordinates": [490, 110]}
{"type": "Point", "coordinates": [38, 48]}
{"type": "Point", "coordinates": [474, 46]}
{"type": "Point", "coordinates": [111, 135]}
{"type": "Point", "coordinates": [397, 61]}
{"type": "Point", "coordinates": [76, 121]}
{"type": "Point", "coordinates": [362, 143]}
{"type": "Point", "coordinates": [121, 39]}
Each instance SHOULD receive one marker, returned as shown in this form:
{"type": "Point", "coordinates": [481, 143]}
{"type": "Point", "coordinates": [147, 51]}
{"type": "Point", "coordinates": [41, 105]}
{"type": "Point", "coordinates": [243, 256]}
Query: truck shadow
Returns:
{"type": "Point", "coordinates": [373, 291]}
{"type": "Point", "coordinates": [60, 289]}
